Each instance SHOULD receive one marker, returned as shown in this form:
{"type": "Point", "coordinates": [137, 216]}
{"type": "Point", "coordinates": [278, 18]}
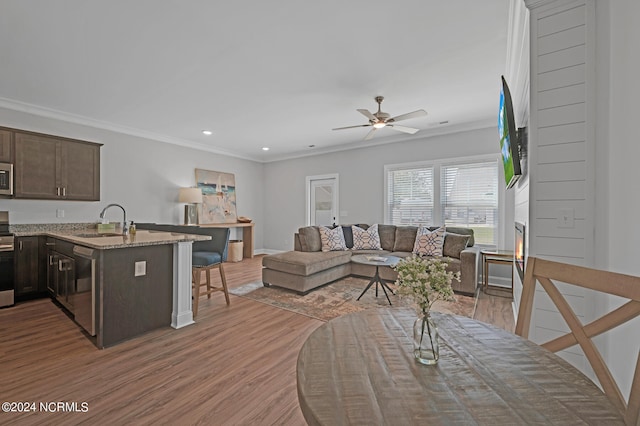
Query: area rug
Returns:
{"type": "Point", "coordinates": [339, 298]}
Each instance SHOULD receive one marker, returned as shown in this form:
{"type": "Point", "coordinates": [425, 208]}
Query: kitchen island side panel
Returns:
{"type": "Point", "coordinates": [133, 305]}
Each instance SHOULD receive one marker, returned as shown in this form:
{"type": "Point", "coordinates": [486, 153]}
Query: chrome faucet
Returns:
{"type": "Point", "coordinates": [125, 226]}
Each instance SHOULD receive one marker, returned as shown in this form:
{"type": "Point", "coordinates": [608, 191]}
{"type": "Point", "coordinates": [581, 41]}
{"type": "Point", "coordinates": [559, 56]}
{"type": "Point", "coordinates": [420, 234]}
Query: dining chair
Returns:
{"type": "Point", "coordinates": [549, 274]}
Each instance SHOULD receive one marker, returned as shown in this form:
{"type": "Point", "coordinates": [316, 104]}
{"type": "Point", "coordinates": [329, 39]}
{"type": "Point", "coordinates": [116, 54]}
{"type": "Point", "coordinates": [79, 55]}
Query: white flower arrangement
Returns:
{"type": "Point", "coordinates": [424, 280]}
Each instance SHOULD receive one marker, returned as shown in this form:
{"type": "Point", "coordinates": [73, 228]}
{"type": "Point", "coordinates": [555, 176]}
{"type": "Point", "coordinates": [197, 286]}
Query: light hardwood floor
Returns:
{"type": "Point", "coordinates": [235, 366]}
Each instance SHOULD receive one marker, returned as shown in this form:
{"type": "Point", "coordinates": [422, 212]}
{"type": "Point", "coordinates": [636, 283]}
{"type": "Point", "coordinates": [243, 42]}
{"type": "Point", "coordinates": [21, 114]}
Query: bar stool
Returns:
{"type": "Point", "coordinates": [208, 255]}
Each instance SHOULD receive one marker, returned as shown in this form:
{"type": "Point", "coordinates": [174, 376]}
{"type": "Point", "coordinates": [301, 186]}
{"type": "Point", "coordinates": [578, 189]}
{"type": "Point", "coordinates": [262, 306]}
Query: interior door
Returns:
{"type": "Point", "coordinates": [322, 200]}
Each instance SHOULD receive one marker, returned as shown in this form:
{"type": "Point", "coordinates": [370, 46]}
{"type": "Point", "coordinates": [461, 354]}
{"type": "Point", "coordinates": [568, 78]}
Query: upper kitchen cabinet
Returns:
{"type": "Point", "coordinates": [5, 146]}
{"type": "Point", "coordinates": [49, 167]}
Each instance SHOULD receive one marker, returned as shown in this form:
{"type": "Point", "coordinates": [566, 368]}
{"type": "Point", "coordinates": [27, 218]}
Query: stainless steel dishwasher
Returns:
{"type": "Point", "coordinates": [84, 297]}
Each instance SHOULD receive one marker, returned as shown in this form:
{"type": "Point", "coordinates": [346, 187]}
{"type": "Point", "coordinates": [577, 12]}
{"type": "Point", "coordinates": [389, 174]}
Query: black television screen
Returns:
{"type": "Point", "coordinates": [508, 137]}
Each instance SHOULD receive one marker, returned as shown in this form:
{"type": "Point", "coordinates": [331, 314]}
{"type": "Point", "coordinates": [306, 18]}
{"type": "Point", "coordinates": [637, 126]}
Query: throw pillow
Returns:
{"type": "Point", "coordinates": [348, 236]}
{"type": "Point", "coordinates": [429, 243]}
{"type": "Point", "coordinates": [366, 239]}
{"type": "Point", "coordinates": [454, 244]}
{"type": "Point", "coordinates": [332, 239]}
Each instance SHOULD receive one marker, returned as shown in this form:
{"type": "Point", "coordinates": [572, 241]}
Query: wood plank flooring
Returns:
{"type": "Point", "coordinates": [235, 366]}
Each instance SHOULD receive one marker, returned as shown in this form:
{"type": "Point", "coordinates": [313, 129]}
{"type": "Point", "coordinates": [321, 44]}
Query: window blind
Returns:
{"type": "Point", "coordinates": [410, 196]}
{"type": "Point", "coordinates": [469, 198]}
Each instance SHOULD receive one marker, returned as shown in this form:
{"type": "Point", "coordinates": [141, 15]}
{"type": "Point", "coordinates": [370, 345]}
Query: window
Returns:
{"type": "Point", "coordinates": [469, 198]}
{"type": "Point", "coordinates": [454, 193]}
{"type": "Point", "coordinates": [410, 196]}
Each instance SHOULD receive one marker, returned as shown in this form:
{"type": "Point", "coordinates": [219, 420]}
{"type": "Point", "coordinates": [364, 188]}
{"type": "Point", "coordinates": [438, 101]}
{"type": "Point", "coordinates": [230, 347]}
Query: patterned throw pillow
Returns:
{"type": "Point", "coordinates": [332, 239]}
{"type": "Point", "coordinates": [429, 243]}
{"type": "Point", "coordinates": [366, 239]}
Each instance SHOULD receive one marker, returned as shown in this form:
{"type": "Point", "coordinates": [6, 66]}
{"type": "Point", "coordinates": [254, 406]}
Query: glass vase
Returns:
{"type": "Point", "coordinates": [425, 340]}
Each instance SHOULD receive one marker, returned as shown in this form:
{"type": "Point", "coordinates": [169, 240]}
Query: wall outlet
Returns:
{"type": "Point", "coordinates": [59, 213]}
{"type": "Point", "coordinates": [141, 268]}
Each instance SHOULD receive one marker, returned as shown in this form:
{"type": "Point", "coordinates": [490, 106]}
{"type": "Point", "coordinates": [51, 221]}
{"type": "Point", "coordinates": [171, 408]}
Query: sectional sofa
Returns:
{"type": "Point", "coordinates": [308, 267]}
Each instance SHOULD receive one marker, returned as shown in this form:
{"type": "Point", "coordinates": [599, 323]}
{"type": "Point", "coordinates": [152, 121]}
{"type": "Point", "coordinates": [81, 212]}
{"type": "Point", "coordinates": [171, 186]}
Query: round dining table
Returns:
{"type": "Point", "coordinates": [359, 369]}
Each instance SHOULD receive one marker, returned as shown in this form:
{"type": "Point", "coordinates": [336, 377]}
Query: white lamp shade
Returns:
{"type": "Point", "coordinates": [190, 195]}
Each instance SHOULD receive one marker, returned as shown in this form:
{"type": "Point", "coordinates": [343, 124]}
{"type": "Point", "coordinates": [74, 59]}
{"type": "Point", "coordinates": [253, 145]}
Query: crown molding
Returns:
{"type": "Point", "coordinates": [104, 125]}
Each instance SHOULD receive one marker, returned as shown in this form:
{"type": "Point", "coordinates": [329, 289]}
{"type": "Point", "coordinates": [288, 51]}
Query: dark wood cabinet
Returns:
{"type": "Point", "coordinates": [28, 267]}
{"type": "Point", "coordinates": [5, 146]}
{"type": "Point", "coordinates": [48, 167]}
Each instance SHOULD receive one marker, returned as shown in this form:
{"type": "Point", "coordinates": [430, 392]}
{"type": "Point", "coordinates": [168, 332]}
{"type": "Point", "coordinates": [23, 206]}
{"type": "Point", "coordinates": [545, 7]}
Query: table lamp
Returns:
{"type": "Point", "coordinates": [191, 196]}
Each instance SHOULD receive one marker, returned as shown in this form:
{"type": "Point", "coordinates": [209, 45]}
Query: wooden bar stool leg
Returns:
{"type": "Point", "coordinates": [196, 290]}
{"type": "Point", "coordinates": [224, 284]}
{"type": "Point", "coordinates": [208, 283]}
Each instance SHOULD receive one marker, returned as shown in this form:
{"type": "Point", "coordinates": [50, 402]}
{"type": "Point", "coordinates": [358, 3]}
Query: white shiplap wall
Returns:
{"type": "Point", "coordinates": [517, 75]}
{"type": "Point", "coordinates": [561, 154]}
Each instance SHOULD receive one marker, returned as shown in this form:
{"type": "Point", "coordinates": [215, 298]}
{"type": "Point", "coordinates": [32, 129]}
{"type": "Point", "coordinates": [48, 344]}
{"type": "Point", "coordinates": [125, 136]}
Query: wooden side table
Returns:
{"type": "Point", "coordinates": [497, 257]}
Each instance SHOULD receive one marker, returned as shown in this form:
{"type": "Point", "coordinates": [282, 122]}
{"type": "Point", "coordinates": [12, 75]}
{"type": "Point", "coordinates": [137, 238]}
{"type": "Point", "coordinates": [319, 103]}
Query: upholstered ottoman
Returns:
{"type": "Point", "coordinates": [303, 271]}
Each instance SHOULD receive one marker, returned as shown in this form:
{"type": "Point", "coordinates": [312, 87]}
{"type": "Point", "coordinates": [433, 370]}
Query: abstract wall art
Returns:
{"type": "Point", "coordinates": [218, 197]}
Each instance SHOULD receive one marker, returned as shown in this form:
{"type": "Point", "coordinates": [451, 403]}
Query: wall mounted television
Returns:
{"type": "Point", "coordinates": [508, 137]}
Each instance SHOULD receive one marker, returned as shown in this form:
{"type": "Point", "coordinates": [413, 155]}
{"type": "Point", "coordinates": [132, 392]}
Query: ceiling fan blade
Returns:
{"type": "Point", "coordinates": [404, 129]}
{"type": "Point", "coordinates": [370, 134]}
{"type": "Point", "coordinates": [368, 114]}
{"type": "Point", "coordinates": [352, 127]}
{"type": "Point", "coordinates": [414, 114]}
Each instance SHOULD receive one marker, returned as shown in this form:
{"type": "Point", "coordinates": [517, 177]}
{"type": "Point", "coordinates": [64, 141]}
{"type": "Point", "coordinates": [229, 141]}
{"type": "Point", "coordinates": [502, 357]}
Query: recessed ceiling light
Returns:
{"type": "Point", "coordinates": [207, 132]}
{"type": "Point", "coordinates": [265, 148]}
{"type": "Point", "coordinates": [312, 146]}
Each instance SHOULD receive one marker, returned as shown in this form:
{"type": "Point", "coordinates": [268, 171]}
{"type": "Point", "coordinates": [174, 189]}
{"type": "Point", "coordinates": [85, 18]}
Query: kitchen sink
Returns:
{"type": "Point", "coordinates": [96, 235]}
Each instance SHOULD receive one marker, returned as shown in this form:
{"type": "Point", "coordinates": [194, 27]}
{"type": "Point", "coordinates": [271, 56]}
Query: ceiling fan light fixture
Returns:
{"type": "Point", "coordinates": [381, 119]}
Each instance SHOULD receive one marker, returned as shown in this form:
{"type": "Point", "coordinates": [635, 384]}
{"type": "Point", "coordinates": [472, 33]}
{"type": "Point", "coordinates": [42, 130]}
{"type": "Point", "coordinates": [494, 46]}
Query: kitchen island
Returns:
{"type": "Point", "coordinates": [122, 285]}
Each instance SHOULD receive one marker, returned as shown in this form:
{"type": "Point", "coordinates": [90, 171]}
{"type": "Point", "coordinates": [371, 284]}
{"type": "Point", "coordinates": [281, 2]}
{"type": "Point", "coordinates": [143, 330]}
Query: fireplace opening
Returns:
{"type": "Point", "coordinates": [519, 249]}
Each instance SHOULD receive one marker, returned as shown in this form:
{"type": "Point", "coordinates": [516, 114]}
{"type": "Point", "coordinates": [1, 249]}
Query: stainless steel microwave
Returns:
{"type": "Point", "coordinates": [6, 179]}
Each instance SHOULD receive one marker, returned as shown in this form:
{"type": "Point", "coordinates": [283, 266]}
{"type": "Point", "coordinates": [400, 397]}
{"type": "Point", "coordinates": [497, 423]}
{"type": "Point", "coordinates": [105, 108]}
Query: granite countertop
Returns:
{"type": "Point", "coordinates": [87, 235]}
{"type": "Point", "coordinates": [140, 238]}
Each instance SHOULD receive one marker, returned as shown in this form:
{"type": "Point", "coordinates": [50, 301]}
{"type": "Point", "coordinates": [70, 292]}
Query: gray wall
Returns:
{"type": "Point", "coordinates": [140, 174]}
{"type": "Point", "coordinates": [361, 176]}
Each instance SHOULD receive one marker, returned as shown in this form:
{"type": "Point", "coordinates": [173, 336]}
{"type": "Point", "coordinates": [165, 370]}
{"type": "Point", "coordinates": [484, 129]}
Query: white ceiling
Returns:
{"type": "Point", "coordinates": [278, 73]}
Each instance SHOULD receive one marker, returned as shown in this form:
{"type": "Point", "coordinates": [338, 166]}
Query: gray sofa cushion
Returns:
{"type": "Point", "coordinates": [305, 263]}
{"type": "Point", "coordinates": [405, 238]}
{"type": "Point", "coordinates": [310, 238]}
{"type": "Point", "coordinates": [387, 236]}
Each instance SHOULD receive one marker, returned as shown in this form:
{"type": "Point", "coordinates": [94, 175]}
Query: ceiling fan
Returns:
{"type": "Point", "coordinates": [381, 119]}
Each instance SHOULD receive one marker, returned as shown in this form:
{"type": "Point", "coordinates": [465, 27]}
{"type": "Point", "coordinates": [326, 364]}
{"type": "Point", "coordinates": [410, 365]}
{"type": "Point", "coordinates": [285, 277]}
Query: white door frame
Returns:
{"type": "Point", "coordinates": [336, 197]}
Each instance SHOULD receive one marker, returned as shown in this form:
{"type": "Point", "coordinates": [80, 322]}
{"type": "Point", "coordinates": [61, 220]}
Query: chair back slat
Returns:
{"type": "Point", "coordinates": [548, 273]}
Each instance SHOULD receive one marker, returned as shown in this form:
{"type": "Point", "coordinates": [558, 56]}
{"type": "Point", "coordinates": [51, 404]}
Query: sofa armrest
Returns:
{"type": "Point", "coordinates": [469, 269]}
